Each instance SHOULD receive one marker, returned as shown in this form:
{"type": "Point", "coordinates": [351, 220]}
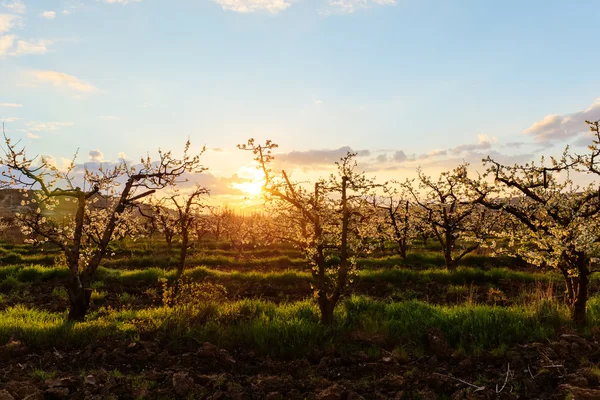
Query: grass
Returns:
{"type": "Point", "coordinates": [42, 375]}
{"type": "Point", "coordinates": [15, 275]}
{"type": "Point", "coordinates": [293, 329]}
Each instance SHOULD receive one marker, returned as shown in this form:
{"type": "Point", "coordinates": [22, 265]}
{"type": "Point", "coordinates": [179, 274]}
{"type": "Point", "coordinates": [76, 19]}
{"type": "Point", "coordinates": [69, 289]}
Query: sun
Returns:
{"type": "Point", "coordinates": [254, 180]}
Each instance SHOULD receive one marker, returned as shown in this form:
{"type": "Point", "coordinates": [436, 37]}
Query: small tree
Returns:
{"type": "Point", "coordinates": [217, 220]}
{"type": "Point", "coordinates": [396, 221]}
{"type": "Point", "coordinates": [188, 214]}
{"type": "Point", "coordinates": [558, 223]}
{"type": "Point", "coordinates": [90, 228]}
{"type": "Point", "coordinates": [163, 219]}
{"type": "Point", "coordinates": [459, 224]}
{"type": "Point", "coordinates": [330, 223]}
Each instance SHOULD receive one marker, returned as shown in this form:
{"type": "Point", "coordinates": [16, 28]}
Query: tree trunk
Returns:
{"type": "Point", "coordinates": [579, 305]}
{"type": "Point", "coordinates": [450, 263]}
{"type": "Point", "coordinates": [326, 306]}
{"type": "Point", "coordinates": [448, 245]}
{"type": "Point", "coordinates": [183, 253]}
{"type": "Point", "coordinates": [402, 250]}
{"type": "Point", "coordinates": [79, 299]}
{"type": "Point", "coordinates": [577, 289]}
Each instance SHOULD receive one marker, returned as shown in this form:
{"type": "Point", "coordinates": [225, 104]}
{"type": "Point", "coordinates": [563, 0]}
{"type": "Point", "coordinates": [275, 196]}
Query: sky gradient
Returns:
{"type": "Point", "coordinates": [405, 83]}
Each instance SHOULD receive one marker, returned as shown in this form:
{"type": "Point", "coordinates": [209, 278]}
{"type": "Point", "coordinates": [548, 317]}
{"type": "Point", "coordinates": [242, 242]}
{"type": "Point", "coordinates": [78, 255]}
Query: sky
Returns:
{"type": "Point", "coordinates": [404, 83]}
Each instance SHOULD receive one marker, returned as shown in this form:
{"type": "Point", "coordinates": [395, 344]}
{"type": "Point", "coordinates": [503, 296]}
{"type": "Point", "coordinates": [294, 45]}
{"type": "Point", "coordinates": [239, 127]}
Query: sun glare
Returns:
{"type": "Point", "coordinates": [254, 179]}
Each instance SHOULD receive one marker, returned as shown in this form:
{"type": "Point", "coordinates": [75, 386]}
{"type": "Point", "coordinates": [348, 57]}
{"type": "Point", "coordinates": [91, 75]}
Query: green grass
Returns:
{"type": "Point", "coordinates": [13, 276]}
{"type": "Point", "coordinates": [461, 275]}
{"type": "Point", "coordinates": [206, 260]}
{"type": "Point", "coordinates": [293, 329]}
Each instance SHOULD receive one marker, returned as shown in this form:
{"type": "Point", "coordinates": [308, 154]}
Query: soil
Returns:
{"type": "Point", "coordinates": [151, 369]}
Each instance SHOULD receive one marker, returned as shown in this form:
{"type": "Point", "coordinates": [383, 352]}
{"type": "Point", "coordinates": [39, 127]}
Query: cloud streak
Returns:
{"type": "Point", "coordinates": [48, 14]}
{"type": "Point", "coordinates": [15, 6]}
{"type": "Point", "coordinates": [121, 1]}
{"type": "Point", "coordinates": [352, 6]}
{"type": "Point", "coordinates": [317, 157]}
{"type": "Point", "coordinates": [8, 21]}
{"type": "Point", "coordinates": [561, 127]}
{"type": "Point", "coordinates": [250, 6]}
{"type": "Point", "coordinates": [60, 79]}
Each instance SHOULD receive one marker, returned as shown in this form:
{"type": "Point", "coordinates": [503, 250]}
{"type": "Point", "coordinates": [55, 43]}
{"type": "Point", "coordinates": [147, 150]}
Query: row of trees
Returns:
{"type": "Point", "coordinates": [535, 210]}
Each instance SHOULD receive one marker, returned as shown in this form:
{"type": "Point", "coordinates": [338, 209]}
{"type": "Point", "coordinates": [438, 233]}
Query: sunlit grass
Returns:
{"type": "Point", "coordinates": [14, 275]}
{"type": "Point", "coordinates": [293, 329]}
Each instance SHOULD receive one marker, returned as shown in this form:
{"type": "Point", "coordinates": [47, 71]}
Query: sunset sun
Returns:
{"type": "Point", "coordinates": [254, 179]}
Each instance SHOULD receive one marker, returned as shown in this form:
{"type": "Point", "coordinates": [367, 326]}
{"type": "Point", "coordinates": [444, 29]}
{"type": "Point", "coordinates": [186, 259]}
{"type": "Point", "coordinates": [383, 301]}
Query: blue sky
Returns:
{"type": "Point", "coordinates": [458, 78]}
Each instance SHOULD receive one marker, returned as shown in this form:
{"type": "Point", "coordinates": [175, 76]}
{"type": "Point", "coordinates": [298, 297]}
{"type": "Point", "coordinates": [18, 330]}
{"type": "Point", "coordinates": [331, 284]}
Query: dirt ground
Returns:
{"type": "Point", "coordinates": [151, 369]}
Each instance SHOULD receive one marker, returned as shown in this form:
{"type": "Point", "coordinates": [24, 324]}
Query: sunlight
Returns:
{"type": "Point", "coordinates": [254, 180]}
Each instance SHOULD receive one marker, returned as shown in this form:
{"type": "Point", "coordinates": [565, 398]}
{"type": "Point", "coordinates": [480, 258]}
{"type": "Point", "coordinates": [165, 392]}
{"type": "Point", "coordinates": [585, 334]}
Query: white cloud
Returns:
{"type": "Point", "coordinates": [45, 126]}
{"type": "Point", "coordinates": [560, 127]}
{"type": "Point", "coordinates": [9, 119]}
{"type": "Point", "coordinates": [12, 105]}
{"type": "Point", "coordinates": [15, 6]}
{"type": "Point", "coordinates": [484, 143]}
{"type": "Point", "coordinates": [121, 1]}
{"type": "Point", "coordinates": [318, 102]}
{"type": "Point", "coordinates": [248, 6]}
{"type": "Point", "coordinates": [96, 155]}
{"type": "Point", "coordinates": [351, 6]}
{"type": "Point", "coordinates": [32, 135]}
{"type": "Point", "coordinates": [6, 43]}
{"type": "Point", "coordinates": [48, 14]}
{"type": "Point", "coordinates": [10, 47]}
{"type": "Point", "coordinates": [39, 47]}
{"type": "Point", "coordinates": [60, 79]}
{"type": "Point", "coordinates": [8, 21]}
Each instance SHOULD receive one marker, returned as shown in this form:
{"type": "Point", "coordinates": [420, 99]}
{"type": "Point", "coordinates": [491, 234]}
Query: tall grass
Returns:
{"type": "Point", "coordinates": [293, 329]}
{"type": "Point", "coordinates": [462, 275]}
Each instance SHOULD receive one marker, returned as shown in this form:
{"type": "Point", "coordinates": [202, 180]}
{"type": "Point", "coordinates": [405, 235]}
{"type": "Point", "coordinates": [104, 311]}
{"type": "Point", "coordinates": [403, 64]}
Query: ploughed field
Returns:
{"type": "Point", "coordinates": [245, 325]}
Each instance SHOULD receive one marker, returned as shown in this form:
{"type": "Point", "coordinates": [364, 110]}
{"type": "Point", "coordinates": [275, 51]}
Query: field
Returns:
{"type": "Point", "coordinates": [246, 326]}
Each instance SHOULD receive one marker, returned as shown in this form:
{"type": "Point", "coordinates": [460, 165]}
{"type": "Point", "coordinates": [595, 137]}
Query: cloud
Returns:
{"type": "Point", "coordinates": [561, 127]}
{"type": "Point", "coordinates": [32, 135]}
{"type": "Point", "coordinates": [121, 1]}
{"type": "Point", "coordinates": [8, 21]}
{"type": "Point", "coordinates": [399, 156]}
{"type": "Point", "coordinates": [8, 47]}
{"type": "Point", "coordinates": [109, 118]}
{"type": "Point", "coordinates": [6, 43]}
{"type": "Point", "coordinates": [15, 6]}
{"type": "Point", "coordinates": [9, 119]}
{"type": "Point", "coordinates": [45, 126]}
{"type": "Point", "coordinates": [248, 6]}
{"type": "Point", "coordinates": [351, 6]}
{"type": "Point", "coordinates": [484, 143]}
{"type": "Point", "coordinates": [382, 158]}
{"type": "Point", "coordinates": [60, 79]}
{"type": "Point", "coordinates": [48, 14]}
{"type": "Point", "coordinates": [38, 47]}
{"type": "Point", "coordinates": [318, 102]}
{"type": "Point", "coordinates": [96, 156]}
{"type": "Point", "coordinates": [317, 157]}
{"type": "Point", "coordinates": [12, 105]}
